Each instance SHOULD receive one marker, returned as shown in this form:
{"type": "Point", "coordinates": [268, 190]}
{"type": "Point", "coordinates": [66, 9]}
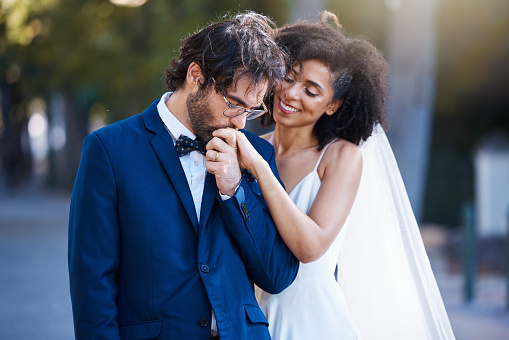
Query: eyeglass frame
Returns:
{"type": "Point", "coordinates": [251, 114]}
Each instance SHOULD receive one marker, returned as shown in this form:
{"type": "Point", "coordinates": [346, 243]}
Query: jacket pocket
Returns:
{"type": "Point", "coordinates": [255, 315]}
{"type": "Point", "coordinates": [141, 330]}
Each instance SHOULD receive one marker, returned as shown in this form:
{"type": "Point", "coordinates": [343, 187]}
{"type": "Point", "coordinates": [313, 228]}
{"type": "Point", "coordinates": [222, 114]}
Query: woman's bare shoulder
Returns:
{"type": "Point", "coordinates": [339, 153]}
{"type": "Point", "coordinates": [342, 147]}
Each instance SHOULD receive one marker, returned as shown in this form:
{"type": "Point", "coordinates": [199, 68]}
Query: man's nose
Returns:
{"type": "Point", "coordinates": [239, 122]}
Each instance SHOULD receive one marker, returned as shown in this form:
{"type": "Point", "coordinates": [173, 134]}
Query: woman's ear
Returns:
{"type": "Point", "coordinates": [333, 107]}
{"type": "Point", "coordinates": [194, 76]}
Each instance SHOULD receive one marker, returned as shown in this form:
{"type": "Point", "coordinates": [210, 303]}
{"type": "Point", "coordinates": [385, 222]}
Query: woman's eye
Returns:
{"type": "Point", "coordinates": [311, 93]}
{"type": "Point", "coordinates": [288, 79]}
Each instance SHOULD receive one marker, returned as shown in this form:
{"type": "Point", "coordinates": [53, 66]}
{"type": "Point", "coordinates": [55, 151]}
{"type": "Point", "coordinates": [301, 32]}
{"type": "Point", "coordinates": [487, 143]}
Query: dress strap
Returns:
{"type": "Point", "coordinates": [323, 152]}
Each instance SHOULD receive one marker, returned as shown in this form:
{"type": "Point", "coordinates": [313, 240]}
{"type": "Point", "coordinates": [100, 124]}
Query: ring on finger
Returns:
{"type": "Point", "coordinates": [217, 156]}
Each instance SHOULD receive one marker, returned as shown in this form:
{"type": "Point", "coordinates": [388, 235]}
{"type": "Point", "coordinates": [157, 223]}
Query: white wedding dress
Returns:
{"type": "Point", "coordinates": [313, 307]}
{"type": "Point", "coordinates": [386, 289]}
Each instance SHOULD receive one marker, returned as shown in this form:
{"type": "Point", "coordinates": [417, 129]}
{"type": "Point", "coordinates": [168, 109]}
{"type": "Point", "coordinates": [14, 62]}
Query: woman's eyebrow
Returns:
{"type": "Point", "coordinates": [308, 81]}
{"type": "Point", "coordinates": [314, 83]}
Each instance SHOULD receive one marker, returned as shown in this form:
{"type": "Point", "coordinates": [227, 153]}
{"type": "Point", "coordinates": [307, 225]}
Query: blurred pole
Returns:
{"type": "Point", "coordinates": [412, 57]}
{"type": "Point", "coordinates": [507, 260]}
{"type": "Point", "coordinates": [470, 263]}
{"type": "Point", "coordinates": [305, 9]}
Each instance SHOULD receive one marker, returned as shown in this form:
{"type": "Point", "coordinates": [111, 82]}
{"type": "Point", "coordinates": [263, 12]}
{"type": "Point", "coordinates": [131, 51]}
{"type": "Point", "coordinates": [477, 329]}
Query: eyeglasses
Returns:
{"type": "Point", "coordinates": [234, 110]}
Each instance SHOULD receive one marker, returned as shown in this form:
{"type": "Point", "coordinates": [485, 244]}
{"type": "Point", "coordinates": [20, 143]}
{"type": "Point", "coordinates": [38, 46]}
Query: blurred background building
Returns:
{"type": "Point", "coordinates": [70, 67]}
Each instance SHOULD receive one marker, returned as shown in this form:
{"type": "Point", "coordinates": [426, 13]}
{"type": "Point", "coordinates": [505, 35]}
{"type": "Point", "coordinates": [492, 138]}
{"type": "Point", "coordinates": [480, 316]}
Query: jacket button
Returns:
{"type": "Point", "coordinates": [204, 268]}
{"type": "Point", "coordinates": [204, 322]}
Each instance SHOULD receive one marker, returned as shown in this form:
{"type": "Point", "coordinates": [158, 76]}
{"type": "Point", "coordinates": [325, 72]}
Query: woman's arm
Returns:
{"type": "Point", "coordinates": [309, 236]}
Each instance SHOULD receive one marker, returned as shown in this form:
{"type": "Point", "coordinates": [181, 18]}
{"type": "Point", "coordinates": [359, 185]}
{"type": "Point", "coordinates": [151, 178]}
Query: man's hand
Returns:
{"type": "Point", "coordinates": [222, 160]}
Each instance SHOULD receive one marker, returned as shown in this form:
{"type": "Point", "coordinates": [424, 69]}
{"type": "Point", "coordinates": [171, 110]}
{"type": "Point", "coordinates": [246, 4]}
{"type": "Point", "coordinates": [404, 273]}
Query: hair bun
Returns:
{"type": "Point", "coordinates": [329, 18]}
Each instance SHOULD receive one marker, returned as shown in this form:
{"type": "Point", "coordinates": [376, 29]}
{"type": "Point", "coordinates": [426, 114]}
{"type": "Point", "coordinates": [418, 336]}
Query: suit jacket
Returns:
{"type": "Point", "coordinates": [141, 266]}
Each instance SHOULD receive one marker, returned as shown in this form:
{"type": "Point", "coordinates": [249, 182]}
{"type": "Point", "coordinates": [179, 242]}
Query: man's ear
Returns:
{"type": "Point", "coordinates": [194, 76]}
{"type": "Point", "coordinates": [333, 107]}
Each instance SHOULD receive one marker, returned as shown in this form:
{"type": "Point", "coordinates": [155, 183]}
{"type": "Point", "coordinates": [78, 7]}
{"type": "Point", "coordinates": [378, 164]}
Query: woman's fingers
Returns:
{"type": "Point", "coordinates": [228, 135]}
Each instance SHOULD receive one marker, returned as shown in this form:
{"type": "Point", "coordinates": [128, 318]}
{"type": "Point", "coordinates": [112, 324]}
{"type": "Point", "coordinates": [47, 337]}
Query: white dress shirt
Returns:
{"type": "Point", "coordinates": [192, 163]}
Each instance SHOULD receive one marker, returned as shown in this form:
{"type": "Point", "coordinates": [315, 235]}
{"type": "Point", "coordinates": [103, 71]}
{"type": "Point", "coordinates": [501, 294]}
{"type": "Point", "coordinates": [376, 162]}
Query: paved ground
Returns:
{"type": "Point", "coordinates": [487, 317]}
{"type": "Point", "coordinates": [34, 297]}
{"type": "Point", "coordinates": [34, 294]}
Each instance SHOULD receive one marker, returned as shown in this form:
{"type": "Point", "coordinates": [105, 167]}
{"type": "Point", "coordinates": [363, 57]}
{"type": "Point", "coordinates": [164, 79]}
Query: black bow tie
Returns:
{"type": "Point", "coordinates": [184, 145]}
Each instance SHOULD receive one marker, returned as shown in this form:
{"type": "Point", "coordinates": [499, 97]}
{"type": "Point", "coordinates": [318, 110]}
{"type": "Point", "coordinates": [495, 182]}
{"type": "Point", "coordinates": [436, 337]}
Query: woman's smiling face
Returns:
{"type": "Point", "coordinates": [304, 95]}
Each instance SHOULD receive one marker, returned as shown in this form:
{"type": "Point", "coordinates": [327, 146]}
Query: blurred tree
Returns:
{"type": "Point", "coordinates": [277, 10]}
{"type": "Point", "coordinates": [105, 61]}
{"type": "Point", "coordinates": [366, 19]}
{"type": "Point", "coordinates": [19, 26]}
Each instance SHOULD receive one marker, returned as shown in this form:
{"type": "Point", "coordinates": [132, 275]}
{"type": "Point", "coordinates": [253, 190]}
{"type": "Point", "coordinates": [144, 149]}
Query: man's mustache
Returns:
{"type": "Point", "coordinates": [211, 130]}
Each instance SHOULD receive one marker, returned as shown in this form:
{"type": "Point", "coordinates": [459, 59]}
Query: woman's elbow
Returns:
{"type": "Point", "coordinates": [309, 255]}
{"type": "Point", "coordinates": [310, 247]}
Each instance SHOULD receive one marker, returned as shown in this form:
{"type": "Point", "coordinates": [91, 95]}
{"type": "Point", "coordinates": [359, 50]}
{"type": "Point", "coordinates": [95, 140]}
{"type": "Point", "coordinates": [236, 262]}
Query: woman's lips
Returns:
{"type": "Point", "coordinates": [285, 108]}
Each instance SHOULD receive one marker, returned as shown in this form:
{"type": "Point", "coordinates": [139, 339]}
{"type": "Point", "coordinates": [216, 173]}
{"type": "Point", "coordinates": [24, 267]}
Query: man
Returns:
{"type": "Point", "coordinates": [159, 248]}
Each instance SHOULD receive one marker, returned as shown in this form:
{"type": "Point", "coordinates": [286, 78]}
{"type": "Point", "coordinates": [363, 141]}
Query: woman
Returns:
{"type": "Point", "coordinates": [345, 196]}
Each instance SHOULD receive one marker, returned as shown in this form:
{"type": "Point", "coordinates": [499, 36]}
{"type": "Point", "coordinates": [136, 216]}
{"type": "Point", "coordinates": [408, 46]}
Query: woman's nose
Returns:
{"type": "Point", "coordinates": [290, 92]}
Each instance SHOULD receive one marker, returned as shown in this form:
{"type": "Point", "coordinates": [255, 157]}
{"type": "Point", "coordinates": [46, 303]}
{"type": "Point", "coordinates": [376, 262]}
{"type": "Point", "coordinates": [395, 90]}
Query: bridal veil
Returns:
{"type": "Point", "coordinates": [383, 268]}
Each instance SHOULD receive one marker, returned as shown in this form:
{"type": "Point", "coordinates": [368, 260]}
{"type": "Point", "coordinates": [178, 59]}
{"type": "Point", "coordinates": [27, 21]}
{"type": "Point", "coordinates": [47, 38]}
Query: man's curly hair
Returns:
{"type": "Point", "coordinates": [359, 77]}
{"type": "Point", "coordinates": [227, 50]}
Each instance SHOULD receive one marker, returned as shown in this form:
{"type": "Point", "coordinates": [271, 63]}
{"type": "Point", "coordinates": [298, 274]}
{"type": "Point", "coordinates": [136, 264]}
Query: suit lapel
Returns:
{"type": "Point", "coordinates": [163, 147]}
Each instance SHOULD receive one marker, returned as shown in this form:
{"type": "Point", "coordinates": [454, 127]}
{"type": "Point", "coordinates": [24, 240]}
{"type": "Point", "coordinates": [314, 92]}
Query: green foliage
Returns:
{"type": "Point", "coordinates": [366, 19]}
{"type": "Point", "coordinates": [106, 61]}
{"type": "Point", "coordinates": [102, 52]}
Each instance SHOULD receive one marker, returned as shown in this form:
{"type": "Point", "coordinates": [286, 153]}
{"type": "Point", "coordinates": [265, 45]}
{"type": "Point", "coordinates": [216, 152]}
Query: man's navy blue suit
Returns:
{"type": "Point", "coordinates": [140, 264]}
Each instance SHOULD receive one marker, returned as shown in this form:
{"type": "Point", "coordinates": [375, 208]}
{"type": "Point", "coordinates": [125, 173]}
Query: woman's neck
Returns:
{"type": "Point", "coordinates": [287, 139]}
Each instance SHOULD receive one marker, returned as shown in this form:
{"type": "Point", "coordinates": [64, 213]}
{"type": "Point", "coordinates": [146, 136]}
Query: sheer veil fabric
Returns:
{"type": "Point", "coordinates": [383, 267]}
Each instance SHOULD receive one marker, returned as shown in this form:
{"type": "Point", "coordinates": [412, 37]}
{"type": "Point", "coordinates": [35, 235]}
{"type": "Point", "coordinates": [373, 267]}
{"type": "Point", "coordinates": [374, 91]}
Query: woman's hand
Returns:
{"type": "Point", "coordinates": [249, 158]}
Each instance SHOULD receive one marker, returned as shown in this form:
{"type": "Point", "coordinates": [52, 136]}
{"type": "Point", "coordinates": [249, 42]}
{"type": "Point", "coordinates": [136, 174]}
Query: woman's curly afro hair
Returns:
{"type": "Point", "coordinates": [359, 77]}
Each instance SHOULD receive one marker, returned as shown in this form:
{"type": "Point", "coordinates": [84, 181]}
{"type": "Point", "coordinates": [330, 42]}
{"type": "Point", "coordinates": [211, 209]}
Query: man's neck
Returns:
{"type": "Point", "coordinates": [177, 106]}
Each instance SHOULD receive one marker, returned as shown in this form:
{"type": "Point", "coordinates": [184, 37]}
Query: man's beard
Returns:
{"type": "Point", "coordinates": [201, 117]}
